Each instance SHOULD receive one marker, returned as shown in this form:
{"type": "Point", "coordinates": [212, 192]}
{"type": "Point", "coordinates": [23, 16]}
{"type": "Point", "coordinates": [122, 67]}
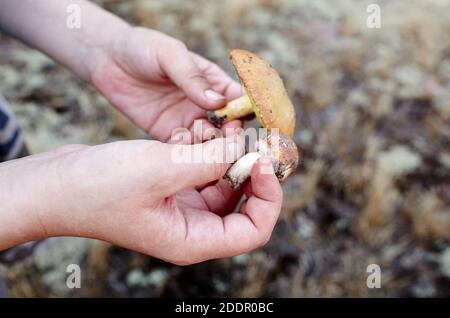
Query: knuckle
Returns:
{"type": "Point", "coordinates": [194, 73]}
{"type": "Point", "coordinates": [170, 51]}
{"type": "Point", "coordinates": [177, 45]}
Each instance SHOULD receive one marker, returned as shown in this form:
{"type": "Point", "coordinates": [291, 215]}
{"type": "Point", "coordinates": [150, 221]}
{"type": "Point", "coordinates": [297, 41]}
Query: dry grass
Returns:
{"type": "Point", "coordinates": [373, 124]}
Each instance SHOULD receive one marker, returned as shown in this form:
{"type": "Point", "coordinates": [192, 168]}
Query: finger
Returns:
{"type": "Point", "coordinates": [180, 67]}
{"type": "Point", "coordinates": [202, 130]}
{"type": "Point", "coordinates": [219, 80]}
{"type": "Point", "coordinates": [181, 136]}
{"type": "Point", "coordinates": [182, 114]}
{"type": "Point", "coordinates": [229, 129]}
{"type": "Point", "coordinates": [220, 198]}
{"type": "Point", "coordinates": [207, 132]}
{"type": "Point", "coordinates": [191, 165]}
{"type": "Point", "coordinates": [265, 196]}
{"type": "Point", "coordinates": [247, 189]}
{"type": "Point", "coordinates": [199, 129]}
{"type": "Point", "coordinates": [209, 236]}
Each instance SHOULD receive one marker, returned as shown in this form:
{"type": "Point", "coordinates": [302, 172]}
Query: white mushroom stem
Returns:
{"type": "Point", "coordinates": [279, 148]}
{"type": "Point", "coordinates": [242, 169]}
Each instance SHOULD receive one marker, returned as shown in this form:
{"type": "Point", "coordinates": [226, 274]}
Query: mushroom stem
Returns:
{"type": "Point", "coordinates": [235, 109]}
{"type": "Point", "coordinates": [279, 148]}
{"type": "Point", "coordinates": [241, 169]}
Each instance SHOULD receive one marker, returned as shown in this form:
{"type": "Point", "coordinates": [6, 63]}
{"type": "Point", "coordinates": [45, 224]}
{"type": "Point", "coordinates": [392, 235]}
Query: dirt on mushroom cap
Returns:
{"type": "Point", "coordinates": [266, 90]}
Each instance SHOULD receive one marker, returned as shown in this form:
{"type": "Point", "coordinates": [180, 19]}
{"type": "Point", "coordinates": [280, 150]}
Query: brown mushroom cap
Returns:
{"type": "Point", "coordinates": [265, 90]}
{"type": "Point", "coordinates": [286, 156]}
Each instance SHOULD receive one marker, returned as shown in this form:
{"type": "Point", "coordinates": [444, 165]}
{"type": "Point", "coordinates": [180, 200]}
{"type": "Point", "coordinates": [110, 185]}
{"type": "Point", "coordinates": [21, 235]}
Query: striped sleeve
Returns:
{"type": "Point", "coordinates": [11, 141]}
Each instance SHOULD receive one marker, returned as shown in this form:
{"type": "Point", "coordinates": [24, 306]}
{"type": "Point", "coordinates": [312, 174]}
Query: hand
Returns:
{"type": "Point", "coordinates": [158, 83]}
{"type": "Point", "coordinates": [147, 75]}
{"type": "Point", "coordinates": [133, 194]}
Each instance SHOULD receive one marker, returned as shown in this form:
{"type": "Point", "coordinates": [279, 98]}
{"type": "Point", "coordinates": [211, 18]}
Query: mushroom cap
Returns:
{"type": "Point", "coordinates": [278, 147]}
{"type": "Point", "coordinates": [282, 150]}
{"type": "Point", "coordinates": [266, 91]}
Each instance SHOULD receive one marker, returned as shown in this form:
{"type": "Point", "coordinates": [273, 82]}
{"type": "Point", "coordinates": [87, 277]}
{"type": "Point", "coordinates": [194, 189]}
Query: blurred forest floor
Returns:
{"type": "Point", "coordinates": [373, 110]}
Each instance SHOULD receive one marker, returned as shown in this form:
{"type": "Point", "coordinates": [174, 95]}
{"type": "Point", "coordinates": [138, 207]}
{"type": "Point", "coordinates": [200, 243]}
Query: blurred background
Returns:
{"type": "Point", "coordinates": [373, 112]}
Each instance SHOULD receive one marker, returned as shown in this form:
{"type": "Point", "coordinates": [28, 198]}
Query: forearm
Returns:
{"type": "Point", "coordinates": [25, 192]}
{"type": "Point", "coordinates": [42, 24]}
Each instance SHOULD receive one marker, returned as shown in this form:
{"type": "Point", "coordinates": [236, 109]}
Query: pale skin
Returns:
{"type": "Point", "coordinates": [132, 193]}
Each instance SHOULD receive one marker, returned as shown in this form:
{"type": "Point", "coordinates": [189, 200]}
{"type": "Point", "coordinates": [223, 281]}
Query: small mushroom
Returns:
{"type": "Point", "coordinates": [266, 96]}
{"type": "Point", "coordinates": [278, 147]}
{"type": "Point", "coordinates": [268, 99]}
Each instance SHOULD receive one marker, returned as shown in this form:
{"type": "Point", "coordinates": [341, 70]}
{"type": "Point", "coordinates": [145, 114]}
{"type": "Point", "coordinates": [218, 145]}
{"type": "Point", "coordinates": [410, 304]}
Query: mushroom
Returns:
{"type": "Point", "coordinates": [278, 147]}
{"type": "Point", "coordinates": [267, 98]}
{"type": "Point", "coordinates": [266, 95]}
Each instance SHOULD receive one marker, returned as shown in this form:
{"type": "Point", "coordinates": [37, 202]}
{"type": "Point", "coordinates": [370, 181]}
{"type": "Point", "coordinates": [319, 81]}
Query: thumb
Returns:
{"type": "Point", "coordinates": [197, 164]}
{"type": "Point", "coordinates": [178, 64]}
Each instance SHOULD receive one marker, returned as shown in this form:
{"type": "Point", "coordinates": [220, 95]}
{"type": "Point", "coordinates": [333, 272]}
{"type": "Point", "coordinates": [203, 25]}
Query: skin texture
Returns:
{"type": "Point", "coordinates": [151, 77]}
{"type": "Point", "coordinates": [160, 95]}
{"type": "Point", "coordinates": [131, 193]}
{"type": "Point", "coordinates": [138, 200]}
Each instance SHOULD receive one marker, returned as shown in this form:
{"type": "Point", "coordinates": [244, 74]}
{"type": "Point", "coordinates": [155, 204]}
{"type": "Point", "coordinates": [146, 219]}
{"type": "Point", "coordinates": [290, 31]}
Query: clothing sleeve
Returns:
{"type": "Point", "coordinates": [11, 140]}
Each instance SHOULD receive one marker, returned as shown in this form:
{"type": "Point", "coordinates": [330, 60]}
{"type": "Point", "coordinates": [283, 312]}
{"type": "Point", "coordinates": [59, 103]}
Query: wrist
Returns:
{"type": "Point", "coordinates": [25, 194]}
{"type": "Point", "coordinates": [97, 43]}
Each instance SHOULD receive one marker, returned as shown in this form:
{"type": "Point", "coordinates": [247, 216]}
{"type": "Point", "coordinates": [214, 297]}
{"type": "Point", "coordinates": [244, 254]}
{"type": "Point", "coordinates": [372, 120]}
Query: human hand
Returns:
{"type": "Point", "coordinates": [133, 194]}
{"type": "Point", "coordinates": [158, 83]}
{"type": "Point", "coordinates": [149, 76]}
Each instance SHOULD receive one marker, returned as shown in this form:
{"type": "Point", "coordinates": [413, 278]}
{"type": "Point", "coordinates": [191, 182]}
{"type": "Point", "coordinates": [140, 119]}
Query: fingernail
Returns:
{"type": "Point", "coordinates": [214, 96]}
